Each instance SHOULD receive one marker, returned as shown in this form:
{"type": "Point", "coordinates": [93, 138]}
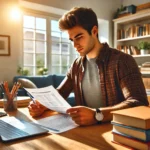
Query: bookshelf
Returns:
{"type": "Point", "coordinates": [131, 29]}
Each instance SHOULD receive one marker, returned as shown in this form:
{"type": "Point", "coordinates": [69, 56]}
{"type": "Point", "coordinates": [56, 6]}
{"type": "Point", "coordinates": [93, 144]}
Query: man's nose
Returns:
{"type": "Point", "coordinates": [75, 44]}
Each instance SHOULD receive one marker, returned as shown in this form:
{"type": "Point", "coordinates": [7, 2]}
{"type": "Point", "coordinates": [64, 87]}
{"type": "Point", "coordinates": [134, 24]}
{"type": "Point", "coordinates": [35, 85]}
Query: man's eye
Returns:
{"type": "Point", "coordinates": [79, 37]}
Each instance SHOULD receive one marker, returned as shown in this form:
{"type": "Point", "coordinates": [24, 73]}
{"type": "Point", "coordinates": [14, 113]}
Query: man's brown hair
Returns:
{"type": "Point", "coordinates": [79, 16]}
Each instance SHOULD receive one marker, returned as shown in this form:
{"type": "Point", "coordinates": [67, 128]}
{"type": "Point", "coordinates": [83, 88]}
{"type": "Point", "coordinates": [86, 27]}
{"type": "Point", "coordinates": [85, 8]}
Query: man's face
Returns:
{"type": "Point", "coordinates": [82, 41]}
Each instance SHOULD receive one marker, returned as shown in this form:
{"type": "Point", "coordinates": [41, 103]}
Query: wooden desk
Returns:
{"type": "Point", "coordinates": [96, 137]}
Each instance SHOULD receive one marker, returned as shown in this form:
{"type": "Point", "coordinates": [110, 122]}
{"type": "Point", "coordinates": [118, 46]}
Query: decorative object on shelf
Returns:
{"type": "Point", "coordinates": [144, 47]}
{"type": "Point", "coordinates": [22, 71]}
{"type": "Point", "coordinates": [125, 11]}
{"type": "Point", "coordinates": [4, 45]}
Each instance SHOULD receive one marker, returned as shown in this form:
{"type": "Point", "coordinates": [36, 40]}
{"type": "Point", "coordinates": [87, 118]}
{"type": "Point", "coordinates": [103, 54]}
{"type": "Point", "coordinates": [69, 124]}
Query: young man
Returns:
{"type": "Point", "coordinates": [103, 79]}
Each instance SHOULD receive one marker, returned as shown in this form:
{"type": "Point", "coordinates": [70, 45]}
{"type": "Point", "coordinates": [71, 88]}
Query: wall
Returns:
{"type": "Point", "coordinates": [134, 2]}
{"type": "Point", "coordinates": [8, 64]}
{"type": "Point", "coordinates": [104, 9]}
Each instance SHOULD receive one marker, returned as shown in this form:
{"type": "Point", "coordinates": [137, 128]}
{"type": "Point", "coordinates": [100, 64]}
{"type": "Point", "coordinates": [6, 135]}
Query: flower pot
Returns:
{"type": "Point", "coordinates": [145, 51]}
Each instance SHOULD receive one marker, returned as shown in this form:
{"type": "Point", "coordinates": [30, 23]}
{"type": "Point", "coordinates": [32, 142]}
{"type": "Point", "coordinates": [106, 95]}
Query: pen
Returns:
{"type": "Point", "coordinates": [32, 98]}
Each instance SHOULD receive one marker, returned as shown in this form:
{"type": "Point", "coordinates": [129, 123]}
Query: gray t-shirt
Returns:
{"type": "Point", "coordinates": [91, 85]}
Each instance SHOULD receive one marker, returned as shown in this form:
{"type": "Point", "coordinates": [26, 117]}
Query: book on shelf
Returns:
{"type": "Point", "coordinates": [130, 142]}
{"type": "Point", "coordinates": [118, 34]}
{"type": "Point", "coordinates": [122, 34]}
{"type": "Point", "coordinates": [138, 117]}
{"type": "Point", "coordinates": [146, 64]}
{"type": "Point", "coordinates": [137, 133]}
{"type": "Point", "coordinates": [134, 31]}
{"type": "Point", "coordinates": [146, 29]}
{"type": "Point", "coordinates": [145, 68]}
{"type": "Point", "coordinates": [134, 50]}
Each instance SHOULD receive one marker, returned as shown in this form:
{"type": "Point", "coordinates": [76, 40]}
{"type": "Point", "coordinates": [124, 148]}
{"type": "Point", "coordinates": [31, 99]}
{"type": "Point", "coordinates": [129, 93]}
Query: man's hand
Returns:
{"type": "Point", "coordinates": [36, 109]}
{"type": "Point", "coordinates": [82, 115]}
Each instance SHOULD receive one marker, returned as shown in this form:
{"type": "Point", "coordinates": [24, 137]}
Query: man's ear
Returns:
{"type": "Point", "coordinates": [95, 30]}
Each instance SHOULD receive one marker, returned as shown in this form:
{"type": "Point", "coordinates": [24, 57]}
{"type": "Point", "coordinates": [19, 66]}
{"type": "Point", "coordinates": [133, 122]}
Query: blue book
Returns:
{"type": "Point", "coordinates": [131, 132]}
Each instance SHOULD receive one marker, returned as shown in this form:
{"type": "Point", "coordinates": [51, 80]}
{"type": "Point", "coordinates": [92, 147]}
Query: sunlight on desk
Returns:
{"type": "Point", "coordinates": [95, 137]}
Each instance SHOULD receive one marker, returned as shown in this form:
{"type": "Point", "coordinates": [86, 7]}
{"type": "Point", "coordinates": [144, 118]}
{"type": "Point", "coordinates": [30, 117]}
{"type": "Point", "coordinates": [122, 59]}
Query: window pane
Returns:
{"type": "Point", "coordinates": [29, 70]}
{"type": "Point", "coordinates": [28, 59]}
{"type": "Point", "coordinates": [64, 60]}
{"type": "Point", "coordinates": [40, 47]}
{"type": "Point", "coordinates": [29, 22]}
{"type": "Point", "coordinates": [28, 46]}
{"type": "Point", "coordinates": [54, 25]}
{"type": "Point", "coordinates": [65, 37]}
{"type": "Point", "coordinates": [65, 48]}
{"type": "Point", "coordinates": [28, 34]}
{"type": "Point", "coordinates": [56, 48]}
{"type": "Point", "coordinates": [64, 70]}
{"type": "Point", "coordinates": [56, 60]}
{"type": "Point", "coordinates": [55, 36]}
{"type": "Point", "coordinates": [40, 60]}
{"type": "Point", "coordinates": [40, 35]}
{"type": "Point", "coordinates": [41, 23]}
{"type": "Point", "coordinates": [74, 51]}
{"type": "Point", "coordinates": [55, 70]}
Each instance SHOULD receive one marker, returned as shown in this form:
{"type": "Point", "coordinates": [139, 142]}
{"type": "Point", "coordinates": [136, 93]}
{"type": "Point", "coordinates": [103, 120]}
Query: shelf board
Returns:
{"type": "Point", "coordinates": [139, 16]}
{"type": "Point", "coordinates": [134, 38]}
{"type": "Point", "coordinates": [147, 55]}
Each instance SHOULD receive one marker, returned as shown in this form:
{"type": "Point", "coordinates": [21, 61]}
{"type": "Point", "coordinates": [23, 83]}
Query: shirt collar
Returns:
{"type": "Point", "coordinates": [103, 55]}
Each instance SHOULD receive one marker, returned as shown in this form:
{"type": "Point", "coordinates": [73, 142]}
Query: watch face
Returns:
{"type": "Point", "coordinates": [99, 116]}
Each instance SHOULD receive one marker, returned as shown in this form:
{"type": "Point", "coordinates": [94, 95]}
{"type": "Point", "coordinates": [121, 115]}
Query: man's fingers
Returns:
{"type": "Point", "coordinates": [72, 110]}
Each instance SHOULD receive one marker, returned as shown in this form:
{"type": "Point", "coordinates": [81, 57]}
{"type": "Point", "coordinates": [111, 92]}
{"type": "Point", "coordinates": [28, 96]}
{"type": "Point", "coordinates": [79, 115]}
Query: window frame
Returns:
{"type": "Point", "coordinates": [49, 65]}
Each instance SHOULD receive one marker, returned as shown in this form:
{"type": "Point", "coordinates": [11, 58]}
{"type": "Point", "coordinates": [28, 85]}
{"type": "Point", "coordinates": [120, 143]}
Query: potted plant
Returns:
{"type": "Point", "coordinates": [144, 47]}
{"type": "Point", "coordinates": [22, 71]}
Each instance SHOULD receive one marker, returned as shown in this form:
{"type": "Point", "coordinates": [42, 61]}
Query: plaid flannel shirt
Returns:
{"type": "Point", "coordinates": [120, 79]}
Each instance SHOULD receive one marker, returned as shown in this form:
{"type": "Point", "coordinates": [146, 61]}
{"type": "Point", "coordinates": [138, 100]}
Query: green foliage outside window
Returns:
{"type": "Point", "coordinates": [22, 71]}
{"type": "Point", "coordinates": [41, 70]}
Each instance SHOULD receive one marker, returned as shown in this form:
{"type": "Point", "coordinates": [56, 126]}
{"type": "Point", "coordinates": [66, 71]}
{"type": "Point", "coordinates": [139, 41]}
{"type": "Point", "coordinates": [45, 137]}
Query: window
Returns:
{"type": "Point", "coordinates": [45, 46]}
{"type": "Point", "coordinates": [34, 44]}
{"type": "Point", "coordinates": [62, 52]}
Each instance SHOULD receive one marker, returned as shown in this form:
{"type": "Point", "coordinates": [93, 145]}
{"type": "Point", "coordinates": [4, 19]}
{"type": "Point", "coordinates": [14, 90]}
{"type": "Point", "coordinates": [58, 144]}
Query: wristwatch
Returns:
{"type": "Point", "coordinates": [99, 116]}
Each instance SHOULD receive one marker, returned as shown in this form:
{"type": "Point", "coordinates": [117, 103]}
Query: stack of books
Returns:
{"type": "Point", "coordinates": [145, 67]}
{"type": "Point", "coordinates": [131, 127]}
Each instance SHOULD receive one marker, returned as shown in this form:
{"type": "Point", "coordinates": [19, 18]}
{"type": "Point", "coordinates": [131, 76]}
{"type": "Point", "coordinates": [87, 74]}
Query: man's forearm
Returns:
{"type": "Point", "coordinates": [108, 116]}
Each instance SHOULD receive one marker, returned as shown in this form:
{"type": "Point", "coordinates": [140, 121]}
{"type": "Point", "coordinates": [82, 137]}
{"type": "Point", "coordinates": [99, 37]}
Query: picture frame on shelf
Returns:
{"type": "Point", "coordinates": [4, 45]}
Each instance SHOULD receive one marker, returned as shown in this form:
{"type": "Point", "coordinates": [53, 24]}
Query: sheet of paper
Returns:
{"type": "Point", "coordinates": [58, 123]}
{"type": "Point", "coordinates": [50, 98]}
